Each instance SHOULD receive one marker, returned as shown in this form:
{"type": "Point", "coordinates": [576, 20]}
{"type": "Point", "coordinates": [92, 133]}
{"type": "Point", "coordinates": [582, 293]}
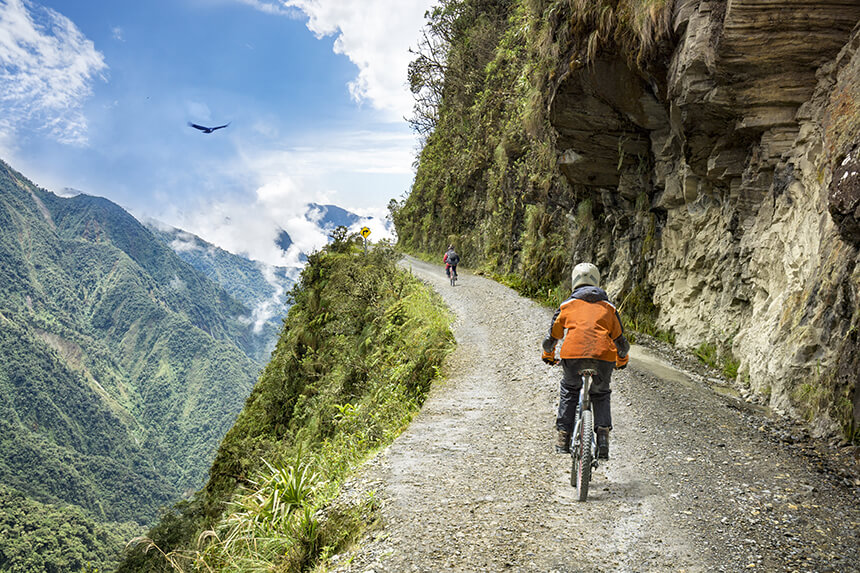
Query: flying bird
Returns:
{"type": "Point", "coordinates": [205, 129]}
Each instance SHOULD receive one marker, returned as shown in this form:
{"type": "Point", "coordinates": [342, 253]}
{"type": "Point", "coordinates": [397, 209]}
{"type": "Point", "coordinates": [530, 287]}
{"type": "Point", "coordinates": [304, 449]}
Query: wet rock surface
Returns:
{"type": "Point", "coordinates": [698, 481]}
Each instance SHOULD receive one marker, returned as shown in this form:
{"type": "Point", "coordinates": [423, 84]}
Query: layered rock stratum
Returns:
{"type": "Point", "coordinates": [749, 150]}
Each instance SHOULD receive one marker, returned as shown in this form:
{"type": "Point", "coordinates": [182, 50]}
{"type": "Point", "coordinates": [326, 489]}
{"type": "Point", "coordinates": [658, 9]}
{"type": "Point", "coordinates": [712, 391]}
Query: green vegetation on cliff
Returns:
{"type": "Point", "coordinates": [488, 177]}
{"type": "Point", "coordinates": [361, 344]}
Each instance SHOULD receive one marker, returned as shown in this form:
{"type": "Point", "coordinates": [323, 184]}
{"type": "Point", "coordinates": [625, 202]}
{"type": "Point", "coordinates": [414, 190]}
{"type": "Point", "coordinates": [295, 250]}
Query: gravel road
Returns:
{"type": "Point", "coordinates": [696, 480]}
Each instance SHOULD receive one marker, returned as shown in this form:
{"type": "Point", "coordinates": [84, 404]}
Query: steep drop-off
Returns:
{"type": "Point", "coordinates": [703, 154]}
{"type": "Point", "coordinates": [360, 346]}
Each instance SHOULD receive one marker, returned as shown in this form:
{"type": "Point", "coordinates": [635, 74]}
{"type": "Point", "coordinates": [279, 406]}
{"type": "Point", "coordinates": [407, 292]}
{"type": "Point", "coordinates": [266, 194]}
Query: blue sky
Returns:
{"type": "Point", "coordinates": [95, 96]}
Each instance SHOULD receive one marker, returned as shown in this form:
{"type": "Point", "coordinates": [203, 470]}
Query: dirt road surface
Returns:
{"type": "Point", "coordinates": [695, 482]}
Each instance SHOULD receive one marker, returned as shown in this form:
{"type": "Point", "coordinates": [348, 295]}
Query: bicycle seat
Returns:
{"type": "Point", "coordinates": [589, 371]}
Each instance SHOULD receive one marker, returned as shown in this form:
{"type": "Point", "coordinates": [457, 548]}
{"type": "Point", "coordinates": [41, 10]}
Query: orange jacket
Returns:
{"type": "Point", "coordinates": [593, 328]}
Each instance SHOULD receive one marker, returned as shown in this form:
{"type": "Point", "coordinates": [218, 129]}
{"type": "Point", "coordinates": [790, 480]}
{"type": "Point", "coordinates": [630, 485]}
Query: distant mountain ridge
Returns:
{"type": "Point", "coordinates": [332, 216]}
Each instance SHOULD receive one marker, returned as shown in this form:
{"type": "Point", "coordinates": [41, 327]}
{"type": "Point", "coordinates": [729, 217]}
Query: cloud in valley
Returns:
{"type": "Point", "coordinates": [47, 67]}
{"type": "Point", "coordinates": [250, 227]}
{"type": "Point", "coordinates": [274, 306]}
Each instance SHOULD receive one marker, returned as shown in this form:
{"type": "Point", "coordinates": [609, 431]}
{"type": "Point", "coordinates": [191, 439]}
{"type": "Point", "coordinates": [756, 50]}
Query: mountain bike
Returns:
{"type": "Point", "coordinates": [453, 275]}
{"type": "Point", "coordinates": [583, 443]}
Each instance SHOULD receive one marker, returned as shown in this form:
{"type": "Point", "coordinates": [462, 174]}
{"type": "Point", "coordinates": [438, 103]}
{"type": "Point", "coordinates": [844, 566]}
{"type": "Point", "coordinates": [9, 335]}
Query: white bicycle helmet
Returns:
{"type": "Point", "coordinates": [585, 274]}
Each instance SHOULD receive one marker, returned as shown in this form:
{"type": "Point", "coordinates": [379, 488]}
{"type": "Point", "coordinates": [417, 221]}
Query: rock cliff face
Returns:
{"type": "Point", "coordinates": [729, 181]}
{"type": "Point", "coordinates": [705, 154]}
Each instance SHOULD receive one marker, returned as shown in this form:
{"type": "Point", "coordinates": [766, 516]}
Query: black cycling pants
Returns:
{"type": "Point", "coordinates": [571, 383]}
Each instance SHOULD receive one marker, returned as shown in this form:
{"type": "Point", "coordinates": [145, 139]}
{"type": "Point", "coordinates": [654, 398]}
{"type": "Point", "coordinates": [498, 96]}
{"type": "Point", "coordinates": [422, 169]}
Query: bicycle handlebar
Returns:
{"type": "Point", "coordinates": [589, 370]}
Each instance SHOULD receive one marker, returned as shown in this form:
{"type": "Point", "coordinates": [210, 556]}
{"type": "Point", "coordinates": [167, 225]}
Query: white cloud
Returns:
{"type": "Point", "coordinates": [117, 34]}
{"type": "Point", "coordinates": [250, 227]}
{"type": "Point", "coordinates": [379, 229]}
{"type": "Point", "coordinates": [177, 284]}
{"type": "Point", "coordinates": [46, 69]}
{"type": "Point", "coordinates": [67, 192]}
{"type": "Point", "coordinates": [376, 36]}
{"type": "Point", "coordinates": [274, 306]}
{"type": "Point", "coordinates": [271, 7]}
{"type": "Point", "coordinates": [184, 242]}
{"type": "Point", "coordinates": [365, 152]}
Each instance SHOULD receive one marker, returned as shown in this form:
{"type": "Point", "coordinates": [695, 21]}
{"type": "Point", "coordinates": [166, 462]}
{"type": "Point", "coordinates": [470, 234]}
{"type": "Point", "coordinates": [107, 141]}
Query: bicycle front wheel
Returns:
{"type": "Point", "coordinates": [580, 473]}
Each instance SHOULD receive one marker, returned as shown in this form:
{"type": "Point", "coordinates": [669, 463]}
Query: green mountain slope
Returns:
{"type": "Point", "coordinates": [122, 366]}
{"type": "Point", "coordinates": [261, 288]}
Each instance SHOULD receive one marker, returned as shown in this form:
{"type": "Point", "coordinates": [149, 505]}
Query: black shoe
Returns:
{"type": "Point", "coordinates": [562, 443]}
{"type": "Point", "coordinates": [602, 443]}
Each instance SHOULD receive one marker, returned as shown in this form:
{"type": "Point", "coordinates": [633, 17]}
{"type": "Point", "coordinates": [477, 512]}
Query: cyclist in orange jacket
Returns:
{"type": "Point", "coordinates": [594, 340]}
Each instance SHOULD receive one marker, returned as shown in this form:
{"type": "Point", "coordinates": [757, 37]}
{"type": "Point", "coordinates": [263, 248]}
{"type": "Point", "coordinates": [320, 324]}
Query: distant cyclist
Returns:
{"type": "Point", "coordinates": [594, 340]}
{"type": "Point", "coordinates": [451, 260]}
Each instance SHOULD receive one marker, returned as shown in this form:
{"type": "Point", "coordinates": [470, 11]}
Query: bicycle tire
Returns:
{"type": "Point", "coordinates": [581, 471]}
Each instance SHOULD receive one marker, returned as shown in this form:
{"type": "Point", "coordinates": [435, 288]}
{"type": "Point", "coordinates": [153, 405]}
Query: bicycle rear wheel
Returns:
{"type": "Point", "coordinates": [580, 472]}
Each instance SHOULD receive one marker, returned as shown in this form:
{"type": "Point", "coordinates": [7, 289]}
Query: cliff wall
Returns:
{"type": "Point", "coordinates": [710, 165]}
